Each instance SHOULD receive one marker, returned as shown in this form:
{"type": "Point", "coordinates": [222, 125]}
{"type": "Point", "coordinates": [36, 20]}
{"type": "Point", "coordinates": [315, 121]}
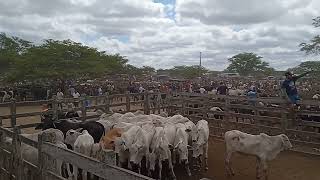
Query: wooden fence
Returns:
{"type": "Point", "coordinates": [276, 119]}
{"type": "Point", "coordinates": [13, 165]}
{"type": "Point", "coordinates": [147, 102]}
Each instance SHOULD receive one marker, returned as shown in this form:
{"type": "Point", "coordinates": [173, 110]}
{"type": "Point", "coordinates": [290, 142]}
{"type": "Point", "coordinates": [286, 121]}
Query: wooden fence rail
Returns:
{"type": "Point", "coordinates": [97, 102]}
{"type": "Point", "coordinates": [13, 165]}
{"type": "Point", "coordinates": [270, 120]}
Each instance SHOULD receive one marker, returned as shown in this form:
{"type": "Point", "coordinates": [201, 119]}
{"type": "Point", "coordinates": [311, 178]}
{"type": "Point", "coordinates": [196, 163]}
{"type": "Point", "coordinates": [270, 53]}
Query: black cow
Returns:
{"type": "Point", "coordinates": [95, 129]}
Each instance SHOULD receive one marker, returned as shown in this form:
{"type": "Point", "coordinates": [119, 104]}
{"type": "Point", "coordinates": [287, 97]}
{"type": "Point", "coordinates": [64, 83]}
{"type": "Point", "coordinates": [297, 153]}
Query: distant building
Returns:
{"type": "Point", "coordinates": [229, 75]}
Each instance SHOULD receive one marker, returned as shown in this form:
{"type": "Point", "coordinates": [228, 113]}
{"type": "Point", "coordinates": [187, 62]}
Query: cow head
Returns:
{"type": "Point", "coordinates": [134, 151]}
{"type": "Point", "coordinates": [286, 142]}
{"type": "Point", "coordinates": [182, 149]}
{"type": "Point", "coordinates": [119, 145]}
{"type": "Point", "coordinates": [71, 136]}
{"type": "Point", "coordinates": [152, 161]}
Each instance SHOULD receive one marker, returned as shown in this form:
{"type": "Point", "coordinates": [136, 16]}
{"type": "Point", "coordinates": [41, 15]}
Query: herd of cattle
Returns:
{"type": "Point", "coordinates": [149, 144]}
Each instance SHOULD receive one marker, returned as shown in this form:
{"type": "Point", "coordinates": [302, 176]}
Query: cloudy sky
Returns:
{"type": "Point", "coordinates": [165, 33]}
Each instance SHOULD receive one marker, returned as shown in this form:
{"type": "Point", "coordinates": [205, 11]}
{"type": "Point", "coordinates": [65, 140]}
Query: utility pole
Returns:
{"type": "Point", "coordinates": [200, 66]}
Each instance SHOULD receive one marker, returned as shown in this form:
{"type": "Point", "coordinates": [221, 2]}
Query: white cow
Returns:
{"type": "Point", "coordinates": [83, 145]}
{"type": "Point", "coordinates": [160, 151]}
{"type": "Point", "coordinates": [123, 143]}
{"type": "Point", "coordinates": [263, 146]}
{"type": "Point", "coordinates": [214, 113]}
{"type": "Point", "coordinates": [139, 148]}
{"type": "Point", "coordinates": [200, 138]}
{"type": "Point", "coordinates": [181, 146]}
{"type": "Point", "coordinates": [316, 96]}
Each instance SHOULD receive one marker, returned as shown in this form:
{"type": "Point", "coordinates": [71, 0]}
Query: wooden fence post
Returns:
{"type": "Point", "coordinates": [284, 118]}
{"type": "Point", "coordinates": [41, 158]}
{"type": "Point", "coordinates": [227, 109]}
{"type": "Point", "coordinates": [83, 108]}
{"type": "Point", "coordinates": [107, 103]}
{"type": "Point", "coordinates": [18, 162]}
{"type": "Point", "coordinates": [54, 107]}
{"type": "Point", "coordinates": [13, 111]}
{"type": "Point", "coordinates": [146, 103]}
{"type": "Point", "coordinates": [128, 102]}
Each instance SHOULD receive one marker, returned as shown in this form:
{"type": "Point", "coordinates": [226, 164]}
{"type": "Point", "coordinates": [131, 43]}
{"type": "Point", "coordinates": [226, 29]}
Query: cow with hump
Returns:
{"type": "Point", "coordinates": [263, 146]}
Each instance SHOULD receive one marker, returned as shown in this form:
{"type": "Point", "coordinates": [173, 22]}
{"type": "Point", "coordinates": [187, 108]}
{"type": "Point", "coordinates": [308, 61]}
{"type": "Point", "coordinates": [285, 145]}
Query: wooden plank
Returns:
{"type": "Point", "coordinates": [28, 114]}
{"type": "Point", "coordinates": [91, 165]}
{"type": "Point", "coordinates": [28, 141]}
{"type": "Point", "coordinates": [33, 103]}
{"type": "Point", "coordinates": [28, 125]}
{"type": "Point", "coordinates": [310, 123]}
{"type": "Point", "coordinates": [118, 104]}
{"type": "Point", "coordinates": [7, 131]}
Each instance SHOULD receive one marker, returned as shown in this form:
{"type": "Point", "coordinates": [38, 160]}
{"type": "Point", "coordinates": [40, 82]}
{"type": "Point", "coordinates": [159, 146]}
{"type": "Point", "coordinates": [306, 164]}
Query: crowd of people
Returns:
{"type": "Point", "coordinates": [308, 88]}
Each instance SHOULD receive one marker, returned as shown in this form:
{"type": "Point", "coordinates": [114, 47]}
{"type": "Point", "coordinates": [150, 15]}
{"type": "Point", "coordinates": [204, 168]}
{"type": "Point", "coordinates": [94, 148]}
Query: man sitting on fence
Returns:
{"type": "Point", "coordinates": [289, 85]}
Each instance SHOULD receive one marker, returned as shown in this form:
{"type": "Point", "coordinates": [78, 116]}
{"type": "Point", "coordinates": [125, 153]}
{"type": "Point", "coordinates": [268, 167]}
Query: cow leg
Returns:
{"type": "Point", "coordinates": [187, 168]}
{"type": "Point", "coordinates": [84, 175]}
{"type": "Point", "coordinates": [258, 168]}
{"type": "Point", "coordinates": [265, 169]}
{"type": "Point", "coordinates": [160, 169]}
{"type": "Point", "coordinates": [174, 157]}
{"type": "Point", "coordinates": [206, 156]}
{"type": "Point", "coordinates": [171, 166]}
{"type": "Point", "coordinates": [229, 169]}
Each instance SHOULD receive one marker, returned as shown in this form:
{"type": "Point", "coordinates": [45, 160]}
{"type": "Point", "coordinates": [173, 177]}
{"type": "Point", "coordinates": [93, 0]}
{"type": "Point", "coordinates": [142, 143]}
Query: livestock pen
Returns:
{"type": "Point", "coordinates": [238, 113]}
{"type": "Point", "coordinates": [302, 133]}
{"type": "Point", "coordinates": [12, 164]}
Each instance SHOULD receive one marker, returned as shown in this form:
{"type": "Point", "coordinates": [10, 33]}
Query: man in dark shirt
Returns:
{"type": "Point", "coordinates": [222, 89]}
{"type": "Point", "coordinates": [289, 85]}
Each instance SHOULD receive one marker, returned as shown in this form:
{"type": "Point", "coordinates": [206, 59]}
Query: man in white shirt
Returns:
{"type": "Point", "coordinates": [202, 90]}
{"type": "Point", "coordinates": [76, 96]}
{"type": "Point", "coordinates": [141, 89]}
{"type": "Point", "coordinates": [59, 98]}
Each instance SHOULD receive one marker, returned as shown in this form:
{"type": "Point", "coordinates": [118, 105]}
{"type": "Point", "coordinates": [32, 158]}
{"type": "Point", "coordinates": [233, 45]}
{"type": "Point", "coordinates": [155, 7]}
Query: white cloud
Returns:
{"type": "Point", "coordinates": [162, 36]}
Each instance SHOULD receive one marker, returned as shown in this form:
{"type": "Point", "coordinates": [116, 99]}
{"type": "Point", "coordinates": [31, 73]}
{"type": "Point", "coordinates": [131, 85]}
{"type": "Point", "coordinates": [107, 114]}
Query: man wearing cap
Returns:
{"type": "Point", "coordinates": [289, 84]}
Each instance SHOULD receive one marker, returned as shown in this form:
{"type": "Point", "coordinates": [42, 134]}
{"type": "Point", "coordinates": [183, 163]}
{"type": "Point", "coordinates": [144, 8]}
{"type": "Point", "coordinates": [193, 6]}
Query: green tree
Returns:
{"type": "Point", "coordinates": [11, 49]}
{"type": "Point", "coordinates": [313, 47]}
{"type": "Point", "coordinates": [308, 66]}
{"type": "Point", "coordinates": [188, 72]}
{"type": "Point", "coordinates": [64, 60]}
{"type": "Point", "coordinates": [248, 63]}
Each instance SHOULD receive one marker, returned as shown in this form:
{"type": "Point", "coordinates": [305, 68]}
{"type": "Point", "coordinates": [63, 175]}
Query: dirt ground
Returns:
{"type": "Point", "coordinates": [287, 166]}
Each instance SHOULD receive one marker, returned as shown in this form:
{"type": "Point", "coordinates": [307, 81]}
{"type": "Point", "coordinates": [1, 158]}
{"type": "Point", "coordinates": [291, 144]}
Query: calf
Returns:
{"type": "Point", "coordinates": [264, 147]}
{"type": "Point", "coordinates": [83, 145]}
{"type": "Point", "coordinates": [215, 113]}
{"type": "Point", "coordinates": [200, 138]}
{"type": "Point", "coordinates": [181, 146]}
{"type": "Point", "coordinates": [160, 152]}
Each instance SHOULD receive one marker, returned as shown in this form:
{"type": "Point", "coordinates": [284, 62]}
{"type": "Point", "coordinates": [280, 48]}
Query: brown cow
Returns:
{"type": "Point", "coordinates": [107, 141]}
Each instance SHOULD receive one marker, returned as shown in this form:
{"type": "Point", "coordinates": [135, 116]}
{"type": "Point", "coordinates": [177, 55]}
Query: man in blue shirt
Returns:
{"type": "Point", "coordinates": [289, 84]}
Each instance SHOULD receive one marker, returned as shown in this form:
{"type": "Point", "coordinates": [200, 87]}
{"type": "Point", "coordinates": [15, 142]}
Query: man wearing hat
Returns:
{"type": "Point", "coordinates": [289, 84]}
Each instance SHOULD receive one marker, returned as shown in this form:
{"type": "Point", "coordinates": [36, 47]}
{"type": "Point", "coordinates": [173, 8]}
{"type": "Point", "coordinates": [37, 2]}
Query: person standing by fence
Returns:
{"type": "Point", "coordinates": [289, 89]}
{"type": "Point", "coordinates": [59, 98]}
